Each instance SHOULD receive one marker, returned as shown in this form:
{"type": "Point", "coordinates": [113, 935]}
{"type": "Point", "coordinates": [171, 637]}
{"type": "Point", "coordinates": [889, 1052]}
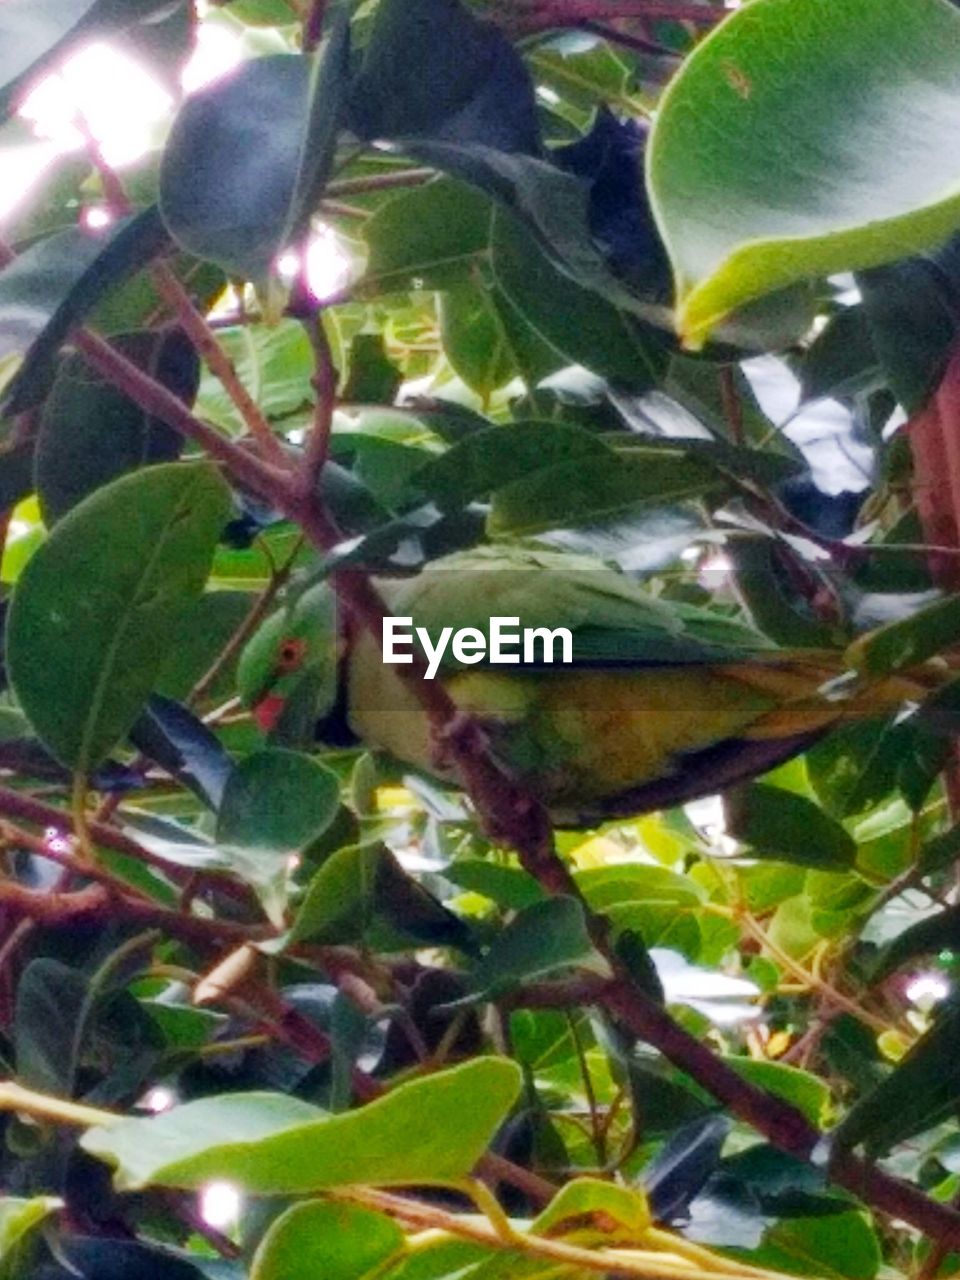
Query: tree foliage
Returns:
{"type": "Point", "coordinates": [652, 304]}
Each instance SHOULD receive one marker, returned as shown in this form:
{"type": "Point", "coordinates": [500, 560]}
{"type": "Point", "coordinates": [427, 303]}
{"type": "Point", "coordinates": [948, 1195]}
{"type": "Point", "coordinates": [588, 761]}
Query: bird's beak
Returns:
{"type": "Point", "coordinates": [268, 711]}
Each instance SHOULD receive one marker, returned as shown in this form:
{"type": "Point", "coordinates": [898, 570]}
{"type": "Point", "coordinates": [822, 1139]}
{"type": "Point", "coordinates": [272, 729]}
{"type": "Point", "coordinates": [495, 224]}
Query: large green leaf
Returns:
{"type": "Point", "coordinates": [586, 490]}
{"type": "Point", "coordinates": [578, 322]}
{"type": "Point", "coordinates": [337, 1241]}
{"type": "Point", "coordinates": [427, 238]}
{"type": "Point", "coordinates": [831, 145]}
{"type": "Point", "coordinates": [433, 1129]}
{"type": "Point", "coordinates": [248, 157]}
{"type": "Point", "coordinates": [361, 894]}
{"type": "Point", "coordinates": [100, 605]}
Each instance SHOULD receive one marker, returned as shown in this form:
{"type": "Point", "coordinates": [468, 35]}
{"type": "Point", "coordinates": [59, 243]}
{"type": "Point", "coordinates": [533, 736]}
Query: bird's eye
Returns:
{"type": "Point", "coordinates": [292, 653]}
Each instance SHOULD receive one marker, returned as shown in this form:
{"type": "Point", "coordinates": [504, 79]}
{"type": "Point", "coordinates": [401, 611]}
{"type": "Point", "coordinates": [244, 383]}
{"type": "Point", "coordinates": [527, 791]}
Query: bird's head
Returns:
{"type": "Point", "coordinates": [288, 674]}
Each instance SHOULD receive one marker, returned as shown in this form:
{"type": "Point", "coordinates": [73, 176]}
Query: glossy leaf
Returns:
{"type": "Point", "coordinates": [91, 433]}
{"type": "Point", "coordinates": [588, 490]}
{"type": "Point", "coordinates": [775, 823]}
{"type": "Point", "coordinates": [427, 1130]}
{"type": "Point", "coordinates": [542, 940]}
{"type": "Point", "coordinates": [578, 322]}
{"type": "Point", "coordinates": [248, 157]}
{"type": "Point", "coordinates": [886, 71]}
{"type": "Point", "coordinates": [432, 69]}
{"type": "Point", "coordinates": [54, 285]}
{"type": "Point", "coordinates": [100, 604]}
{"type": "Point", "coordinates": [907, 641]}
{"type": "Point", "coordinates": [361, 892]}
{"type": "Point", "coordinates": [181, 744]}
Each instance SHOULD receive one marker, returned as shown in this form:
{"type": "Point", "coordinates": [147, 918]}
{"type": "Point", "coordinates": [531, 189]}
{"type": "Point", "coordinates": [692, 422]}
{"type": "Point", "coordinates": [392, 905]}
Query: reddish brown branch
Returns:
{"type": "Point", "coordinates": [542, 15]}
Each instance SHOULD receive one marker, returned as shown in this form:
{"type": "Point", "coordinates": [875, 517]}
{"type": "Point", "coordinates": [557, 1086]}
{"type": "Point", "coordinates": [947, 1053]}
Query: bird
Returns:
{"type": "Point", "coordinates": [662, 702]}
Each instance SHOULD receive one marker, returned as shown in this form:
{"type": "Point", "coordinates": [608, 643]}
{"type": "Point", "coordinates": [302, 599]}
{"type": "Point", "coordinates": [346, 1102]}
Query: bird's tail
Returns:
{"type": "Point", "coordinates": [817, 691]}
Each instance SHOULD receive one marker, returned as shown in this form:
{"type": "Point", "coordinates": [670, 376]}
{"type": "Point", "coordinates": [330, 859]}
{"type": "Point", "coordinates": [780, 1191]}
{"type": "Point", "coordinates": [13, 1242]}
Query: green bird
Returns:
{"type": "Point", "coordinates": [659, 703]}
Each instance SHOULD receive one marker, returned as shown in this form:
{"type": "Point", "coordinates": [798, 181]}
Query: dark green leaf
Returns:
{"type": "Point", "coordinates": [91, 433]}
{"type": "Point", "coordinates": [921, 1091]}
{"type": "Point", "coordinates": [579, 323]}
{"type": "Point", "coordinates": [543, 939]}
{"type": "Point", "coordinates": [474, 339]}
{"type": "Point", "coordinates": [427, 238]}
{"type": "Point", "coordinates": [786, 826]}
{"type": "Point", "coordinates": [248, 157]}
{"type": "Point", "coordinates": [913, 319]}
{"type": "Point", "coordinates": [54, 285]}
{"type": "Point", "coordinates": [842, 359]}
{"type": "Point", "coordinates": [683, 1165]}
{"type": "Point", "coordinates": [587, 490]}
{"type": "Point", "coordinates": [477, 464]}
{"type": "Point", "coordinates": [433, 69]}
{"type": "Point", "coordinates": [908, 641]}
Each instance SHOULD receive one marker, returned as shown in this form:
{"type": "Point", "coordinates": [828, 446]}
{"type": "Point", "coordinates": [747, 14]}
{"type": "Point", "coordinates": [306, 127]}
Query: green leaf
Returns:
{"type": "Point", "coordinates": [578, 322]}
{"type": "Point", "coordinates": [91, 432]}
{"type": "Point", "coordinates": [100, 605]}
{"type": "Point", "coordinates": [361, 894]}
{"type": "Point", "coordinates": [919, 1093]}
{"type": "Point", "coordinates": [588, 490]}
{"type": "Point", "coordinates": [275, 804]}
{"type": "Point", "coordinates": [54, 285]}
{"type": "Point", "coordinates": [542, 939]}
{"type": "Point", "coordinates": [907, 641]}
{"type": "Point", "coordinates": [842, 359]}
{"type": "Point", "coordinates": [476, 465]}
{"type": "Point", "coordinates": [801, 196]}
{"type": "Point", "coordinates": [912, 322]}
{"type": "Point", "coordinates": [802, 1089]}
{"type": "Point", "coordinates": [781, 824]}
{"type": "Point", "coordinates": [473, 338]}
{"type": "Point", "coordinates": [431, 68]}
{"type": "Point", "coordinates": [337, 1241]}
{"type": "Point", "coordinates": [841, 1247]}
{"type": "Point", "coordinates": [372, 377]}
{"type": "Point", "coordinates": [248, 157]}
{"type": "Point", "coordinates": [427, 238]}
{"type": "Point", "coordinates": [433, 1129]}
{"type": "Point", "coordinates": [509, 887]}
